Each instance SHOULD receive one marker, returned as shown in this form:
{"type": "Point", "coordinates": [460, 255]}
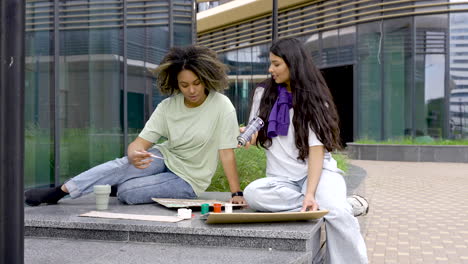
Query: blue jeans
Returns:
{"type": "Point", "coordinates": [135, 186]}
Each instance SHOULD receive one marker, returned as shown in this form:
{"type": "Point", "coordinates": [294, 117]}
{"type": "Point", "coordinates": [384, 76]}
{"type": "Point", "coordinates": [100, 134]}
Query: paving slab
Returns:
{"type": "Point", "coordinates": [418, 212]}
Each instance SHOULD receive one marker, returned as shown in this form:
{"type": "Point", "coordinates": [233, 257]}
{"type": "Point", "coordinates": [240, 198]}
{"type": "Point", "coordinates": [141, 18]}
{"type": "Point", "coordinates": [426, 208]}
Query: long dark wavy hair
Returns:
{"type": "Point", "coordinates": [311, 100]}
{"type": "Point", "coordinates": [202, 61]}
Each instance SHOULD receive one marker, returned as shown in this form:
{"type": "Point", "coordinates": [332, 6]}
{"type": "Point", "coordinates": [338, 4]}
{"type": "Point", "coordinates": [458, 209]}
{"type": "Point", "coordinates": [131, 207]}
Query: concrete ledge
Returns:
{"type": "Point", "coordinates": [53, 250]}
{"type": "Point", "coordinates": [63, 221]}
{"type": "Point", "coordinates": [415, 153]}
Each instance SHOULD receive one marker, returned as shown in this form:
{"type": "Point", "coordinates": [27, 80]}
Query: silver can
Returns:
{"type": "Point", "coordinates": [254, 125]}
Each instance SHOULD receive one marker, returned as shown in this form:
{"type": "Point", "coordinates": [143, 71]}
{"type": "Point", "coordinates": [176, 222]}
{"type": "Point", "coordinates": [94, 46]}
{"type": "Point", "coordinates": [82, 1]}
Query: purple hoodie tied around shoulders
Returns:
{"type": "Point", "coordinates": [278, 121]}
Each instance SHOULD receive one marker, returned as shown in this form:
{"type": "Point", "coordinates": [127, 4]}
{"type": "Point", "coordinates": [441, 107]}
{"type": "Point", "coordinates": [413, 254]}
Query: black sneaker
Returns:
{"type": "Point", "coordinates": [49, 195]}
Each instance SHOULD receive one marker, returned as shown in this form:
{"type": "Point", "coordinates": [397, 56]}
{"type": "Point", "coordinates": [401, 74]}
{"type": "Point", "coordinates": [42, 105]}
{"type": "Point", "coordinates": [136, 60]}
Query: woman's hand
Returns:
{"type": "Point", "coordinates": [309, 204]}
{"type": "Point", "coordinates": [252, 141]}
{"type": "Point", "coordinates": [141, 159]}
{"type": "Point", "coordinates": [238, 200]}
{"type": "Point", "coordinates": [137, 154]}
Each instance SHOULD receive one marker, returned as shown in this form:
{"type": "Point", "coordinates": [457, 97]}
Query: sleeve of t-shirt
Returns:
{"type": "Point", "coordinates": [313, 140]}
{"type": "Point", "coordinates": [229, 130]}
{"type": "Point", "coordinates": [156, 126]}
{"type": "Point", "coordinates": [257, 97]}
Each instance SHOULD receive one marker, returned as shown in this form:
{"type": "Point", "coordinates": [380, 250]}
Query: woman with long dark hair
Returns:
{"type": "Point", "coordinates": [200, 125]}
{"type": "Point", "coordinates": [301, 129]}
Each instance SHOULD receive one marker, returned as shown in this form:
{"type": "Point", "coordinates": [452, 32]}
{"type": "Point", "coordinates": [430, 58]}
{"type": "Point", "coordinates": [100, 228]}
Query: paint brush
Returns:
{"type": "Point", "coordinates": [155, 156]}
{"type": "Point", "coordinates": [152, 155]}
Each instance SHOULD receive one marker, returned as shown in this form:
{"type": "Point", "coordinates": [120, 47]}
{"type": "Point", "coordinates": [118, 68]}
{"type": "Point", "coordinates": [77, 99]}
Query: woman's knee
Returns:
{"type": "Point", "coordinates": [336, 211]}
{"type": "Point", "coordinates": [131, 193]}
{"type": "Point", "coordinates": [252, 191]}
{"type": "Point", "coordinates": [129, 198]}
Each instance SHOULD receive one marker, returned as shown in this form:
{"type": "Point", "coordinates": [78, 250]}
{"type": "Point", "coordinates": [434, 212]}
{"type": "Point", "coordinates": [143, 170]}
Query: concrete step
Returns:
{"type": "Point", "coordinates": [53, 250]}
{"type": "Point", "coordinates": [62, 221]}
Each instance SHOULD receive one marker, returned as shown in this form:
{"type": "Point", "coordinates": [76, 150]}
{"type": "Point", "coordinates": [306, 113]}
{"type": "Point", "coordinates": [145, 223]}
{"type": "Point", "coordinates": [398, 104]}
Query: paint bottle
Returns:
{"type": "Point", "coordinates": [216, 208]}
{"type": "Point", "coordinates": [228, 208]}
{"type": "Point", "coordinates": [254, 125]}
{"type": "Point", "coordinates": [205, 208]}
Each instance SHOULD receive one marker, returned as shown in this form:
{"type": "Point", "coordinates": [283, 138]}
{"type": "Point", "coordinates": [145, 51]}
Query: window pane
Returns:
{"type": "Point", "coordinates": [458, 75]}
{"type": "Point", "coordinates": [146, 48]}
{"type": "Point", "coordinates": [260, 62]}
{"type": "Point", "coordinates": [397, 77]}
{"type": "Point", "coordinates": [312, 44]}
{"type": "Point", "coordinates": [330, 45]}
{"type": "Point", "coordinates": [182, 34]}
{"type": "Point", "coordinates": [430, 75]}
{"type": "Point", "coordinates": [347, 45]}
{"type": "Point", "coordinates": [38, 168]}
{"type": "Point", "coordinates": [90, 96]}
{"type": "Point", "coordinates": [230, 58]}
{"type": "Point", "coordinates": [245, 84]}
{"type": "Point", "coordinates": [369, 79]}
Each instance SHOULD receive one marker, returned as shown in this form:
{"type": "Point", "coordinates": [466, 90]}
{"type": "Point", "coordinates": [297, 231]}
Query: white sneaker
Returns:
{"type": "Point", "coordinates": [359, 204]}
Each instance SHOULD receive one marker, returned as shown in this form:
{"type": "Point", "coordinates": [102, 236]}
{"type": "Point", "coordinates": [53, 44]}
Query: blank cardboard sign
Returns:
{"type": "Point", "coordinates": [256, 217]}
{"type": "Point", "coordinates": [184, 203]}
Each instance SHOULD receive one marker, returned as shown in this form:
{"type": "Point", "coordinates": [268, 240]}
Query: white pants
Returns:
{"type": "Point", "coordinates": [345, 244]}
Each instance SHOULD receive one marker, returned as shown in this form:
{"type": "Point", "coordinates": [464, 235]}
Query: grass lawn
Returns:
{"type": "Point", "coordinates": [251, 165]}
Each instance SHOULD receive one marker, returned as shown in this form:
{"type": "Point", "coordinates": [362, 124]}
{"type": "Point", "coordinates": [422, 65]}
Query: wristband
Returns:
{"type": "Point", "coordinates": [237, 194]}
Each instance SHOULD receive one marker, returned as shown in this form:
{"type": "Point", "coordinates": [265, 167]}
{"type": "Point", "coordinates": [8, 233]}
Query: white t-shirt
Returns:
{"type": "Point", "coordinates": [282, 154]}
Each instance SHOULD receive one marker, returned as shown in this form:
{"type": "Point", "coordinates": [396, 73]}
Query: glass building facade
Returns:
{"type": "Point", "coordinates": [89, 87]}
{"type": "Point", "coordinates": [395, 68]}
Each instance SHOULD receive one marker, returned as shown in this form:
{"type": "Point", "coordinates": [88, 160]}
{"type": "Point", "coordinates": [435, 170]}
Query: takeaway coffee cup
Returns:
{"type": "Point", "coordinates": [102, 196]}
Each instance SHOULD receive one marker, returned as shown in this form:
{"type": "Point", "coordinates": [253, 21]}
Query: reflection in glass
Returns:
{"type": "Point", "coordinates": [230, 59]}
{"type": "Point", "coordinates": [90, 96]}
{"type": "Point", "coordinates": [330, 45]}
{"type": "Point", "coordinates": [146, 48]}
{"type": "Point", "coordinates": [260, 62]}
{"type": "Point", "coordinates": [429, 102]}
{"type": "Point", "coordinates": [458, 121]}
{"type": "Point", "coordinates": [347, 45]}
{"type": "Point", "coordinates": [369, 79]}
{"type": "Point", "coordinates": [182, 34]}
{"type": "Point", "coordinates": [244, 79]}
{"type": "Point", "coordinates": [397, 78]}
{"type": "Point", "coordinates": [38, 168]}
{"type": "Point", "coordinates": [90, 73]}
{"type": "Point", "coordinates": [312, 44]}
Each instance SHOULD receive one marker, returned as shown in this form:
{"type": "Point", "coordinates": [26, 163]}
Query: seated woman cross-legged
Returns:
{"type": "Point", "coordinates": [200, 125]}
{"type": "Point", "coordinates": [300, 130]}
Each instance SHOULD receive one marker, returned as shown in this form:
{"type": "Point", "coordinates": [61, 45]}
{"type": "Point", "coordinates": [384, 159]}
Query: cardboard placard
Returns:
{"type": "Point", "coordinates": [256, 217]}
{"type": "Point", "coordinates": [157, 218]}
{"type": "Point", "coordinates": [184, 203]}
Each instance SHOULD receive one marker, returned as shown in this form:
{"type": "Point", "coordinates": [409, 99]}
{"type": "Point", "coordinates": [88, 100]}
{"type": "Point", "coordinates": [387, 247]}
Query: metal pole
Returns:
{"type": "Point", "coordinates": [171, 23]}
{"type": "Point", "coordinates": [274, 21]}
{"type": "Point", "coordinates": [446, 113]}
{"type": "Point", "coordinates": [12, 16]}
{"type": "Point", "coordinates": [194, 24]}
{"type": "Point", "coordinates": [125, 77]}
{"type": "Point", "coordinates": [55, 96]}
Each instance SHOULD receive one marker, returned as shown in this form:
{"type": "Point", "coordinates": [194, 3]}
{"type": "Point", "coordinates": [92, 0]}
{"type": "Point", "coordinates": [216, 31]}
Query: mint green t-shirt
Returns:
{"type": "Point", "coordinates": [194, 136]}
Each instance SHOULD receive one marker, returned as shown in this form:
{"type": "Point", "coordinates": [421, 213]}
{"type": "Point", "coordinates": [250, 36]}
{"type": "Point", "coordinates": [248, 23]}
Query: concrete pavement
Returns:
{"type": "Point", "coordinates": [419, 212]}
